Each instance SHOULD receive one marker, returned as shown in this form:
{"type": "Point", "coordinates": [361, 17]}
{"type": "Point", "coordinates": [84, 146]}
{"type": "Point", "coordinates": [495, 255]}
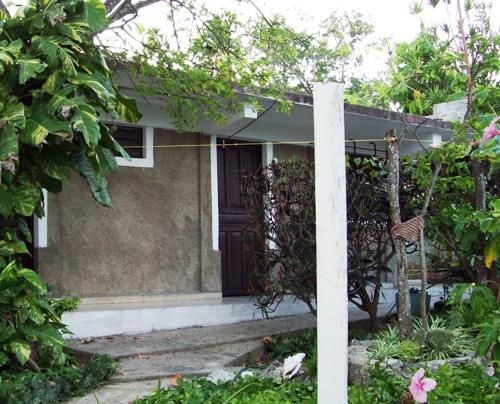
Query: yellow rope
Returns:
{"type": "Point", "coordinates": [291, 142]}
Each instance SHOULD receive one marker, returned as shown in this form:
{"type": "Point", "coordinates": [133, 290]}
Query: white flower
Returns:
{"type": "Point", "coordinates": [292, 365]}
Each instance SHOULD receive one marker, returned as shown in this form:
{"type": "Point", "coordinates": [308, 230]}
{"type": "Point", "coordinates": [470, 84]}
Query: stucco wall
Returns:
{"type": "Point", "coordinates": [156, 238]}
{"type": "Point", "coordinates": [285, 151]}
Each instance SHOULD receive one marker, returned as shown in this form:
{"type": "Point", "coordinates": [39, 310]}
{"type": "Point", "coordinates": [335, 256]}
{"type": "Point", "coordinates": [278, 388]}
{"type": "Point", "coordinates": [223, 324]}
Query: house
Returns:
{"type": "Point", "coordinates": [169, 253]}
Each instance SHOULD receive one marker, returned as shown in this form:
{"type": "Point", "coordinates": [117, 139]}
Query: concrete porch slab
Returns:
{"type": "Point", "coordinates": [99, 317]}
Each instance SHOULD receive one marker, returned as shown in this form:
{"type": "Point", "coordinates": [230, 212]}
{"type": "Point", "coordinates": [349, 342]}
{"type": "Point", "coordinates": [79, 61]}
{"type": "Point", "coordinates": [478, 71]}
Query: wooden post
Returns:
{"type": "Point", "coordinates": [331, 242]}
{"type": "Point", "coordinates": [404, 313]}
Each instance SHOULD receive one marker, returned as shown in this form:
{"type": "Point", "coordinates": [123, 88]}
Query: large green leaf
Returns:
{"type": "Point", "coordinates": [55, 163]}
{"type": "Point", "coordinates": [52, 47]}
{"type": "Point", "coordinates": [13, 113]}
{"type": "Point", "coordinates": [49, 46]}
{"type": "Point", "coordinates": [33, 279]}
{"type": "Point", "coordinates": [86, 122]}
{"type": "Point", "coordinates": [5, 201]}
{"type": "Point", "coordinates": [26, 198]}
{"type": "Point", "coordinates": [108, 141]}
{"type": "Point", "coordinates": [97, 83]}
{"type": "Point", "coordinates": [4, 358]}
{"type": "Point", "coordinates": [40, 124]}
{"type": "Point", "coordinates": [127, 108]}
{"type": "Point", "coordinates": [106, 159]}
{"type": "Point", "coordinates": [8, 142]}
{"type": "Point", "coordinates": [61, 99]}
{"type": "Point", "coordinates": [22, 351]}
{"type": "Point", "coordinates": [6, 331]}
{"type": "Point", "coordinates": [96, 181]}
{"type": "Point", "coordinates": [9, 52]}
{"type": "Point", "coordinates": [29, 68]}
{"type": "Point", "coordinates": [94, 15]}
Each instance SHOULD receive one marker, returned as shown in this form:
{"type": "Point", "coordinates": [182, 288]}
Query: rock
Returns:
{"type": "Point", "coordinates": [394, 364]}
{"type": "Point", "coordinates": [358, 361]}
{"type": "Point", "coordinates": [436, 364]}
{"type": "Point", "coordinates": [221, 375]}
{"type": "Point", "coordinates": [367, 343]}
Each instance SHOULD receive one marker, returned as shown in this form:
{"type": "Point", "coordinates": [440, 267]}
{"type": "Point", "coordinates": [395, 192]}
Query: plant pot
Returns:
{"type": "Point", "coordinates": [415, 301]}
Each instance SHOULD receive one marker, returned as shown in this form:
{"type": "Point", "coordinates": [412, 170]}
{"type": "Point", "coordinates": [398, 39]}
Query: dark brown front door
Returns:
{"type": "Point", "coordinates": [232, 163]}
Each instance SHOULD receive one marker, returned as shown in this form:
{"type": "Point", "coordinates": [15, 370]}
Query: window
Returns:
{"type": "Point", "coordinates": [138, 143]}
{"type": "Point", "coordinates": [131, 138]}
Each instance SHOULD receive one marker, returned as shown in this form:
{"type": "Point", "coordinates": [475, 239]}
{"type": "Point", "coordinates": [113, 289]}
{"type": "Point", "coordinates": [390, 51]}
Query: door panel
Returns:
{"type": "Point", "coordinates": [234, 162]}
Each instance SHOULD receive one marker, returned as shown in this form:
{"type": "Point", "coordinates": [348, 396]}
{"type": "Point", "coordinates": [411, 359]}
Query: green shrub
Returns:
{"type": "Point", "coordinates": [30, 323]}
{"type": "Point", "coordinates": [481, 313]}
{"type": "Point", "coordinates": [55, 385]}
{"type": "Point", "coordinates": [441, 342]}
{"type": "Point", "coordinates": [408, 350]}
{"type": "Point", "coordinates": [462, 384]}
{"type": "Point", "coordinates": [248, 390]}
{"type": "Point", "coordinates": [386, 345]}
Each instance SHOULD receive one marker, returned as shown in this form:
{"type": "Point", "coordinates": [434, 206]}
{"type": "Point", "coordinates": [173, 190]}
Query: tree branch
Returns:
{"type": "Point", "coordinates": [4, 9]}
{"type": "Point", "coordinates": [116, 10]}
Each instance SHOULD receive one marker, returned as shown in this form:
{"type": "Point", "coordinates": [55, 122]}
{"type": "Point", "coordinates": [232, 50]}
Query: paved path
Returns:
{"type": "Point", "coordinates": [147, 358]}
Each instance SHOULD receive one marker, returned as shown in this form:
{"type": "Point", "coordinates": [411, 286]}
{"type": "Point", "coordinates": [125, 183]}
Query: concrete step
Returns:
{"type": "Point", "coordinates": [194, 363]}
{"type": "Point", "coordinates": [192, 339]}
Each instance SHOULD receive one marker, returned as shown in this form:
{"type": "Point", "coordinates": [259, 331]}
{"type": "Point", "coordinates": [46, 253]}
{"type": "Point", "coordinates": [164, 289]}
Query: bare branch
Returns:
{"type": "Point", "coordinates": [117, 10]}
{"type": "Point", "coordinates": [4, 9]}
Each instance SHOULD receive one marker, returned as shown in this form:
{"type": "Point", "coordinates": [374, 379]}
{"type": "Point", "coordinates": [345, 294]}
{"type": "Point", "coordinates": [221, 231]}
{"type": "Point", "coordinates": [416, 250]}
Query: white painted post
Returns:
{"type": "Point", "coordinates": [331, 242]}
{"type": "Point", "coordinates": [215, 192]}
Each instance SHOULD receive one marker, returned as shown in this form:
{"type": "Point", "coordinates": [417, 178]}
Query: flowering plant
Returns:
{"type": "Point", "coordinates": [420, 386]}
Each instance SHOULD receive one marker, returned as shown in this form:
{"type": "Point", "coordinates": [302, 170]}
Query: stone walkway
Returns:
{"type": "Point", "coordinates": [147, 358]}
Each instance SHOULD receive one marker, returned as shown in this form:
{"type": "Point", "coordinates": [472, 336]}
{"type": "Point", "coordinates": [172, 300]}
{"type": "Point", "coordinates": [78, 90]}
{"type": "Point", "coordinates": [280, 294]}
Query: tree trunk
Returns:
{"type": "Point", "coordinates": [423, 287]}
{"type": "Point", "coordinates": [479, 267]}
{"type": "Point", "coordinates": [423, 261]}
{"type": "Point", "coordinates": [404, 313]}
{"type": "Point", "coordinates": [371, 309]}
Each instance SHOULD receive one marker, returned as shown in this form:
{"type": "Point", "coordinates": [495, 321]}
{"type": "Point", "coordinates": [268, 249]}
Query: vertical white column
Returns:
{"type": "Point", "coordinates": [436, 139]}
{"type": "Point", "coordinates": [215, 193]}
{"type": "Point", "coordinates": [40, 228]}
{"type": "Point", "coordinates": [267, 154]}
{"type": "Point", "coordinates": [331, 242]}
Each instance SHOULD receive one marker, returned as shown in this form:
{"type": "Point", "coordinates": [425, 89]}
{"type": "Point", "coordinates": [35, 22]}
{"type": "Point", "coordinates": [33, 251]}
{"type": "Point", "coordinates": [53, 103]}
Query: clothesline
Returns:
{"type": "Point", "coordinates": [291, 142]}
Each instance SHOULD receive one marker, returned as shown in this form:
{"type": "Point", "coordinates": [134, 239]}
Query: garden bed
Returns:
{"type": "Point", "coordinates": [55, 384]}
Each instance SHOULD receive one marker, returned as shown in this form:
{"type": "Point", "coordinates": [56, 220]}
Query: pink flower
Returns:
{"type": "Point", "coordinates": [420, 386]}
{"type": "Point", "coordinates": [490, 132]}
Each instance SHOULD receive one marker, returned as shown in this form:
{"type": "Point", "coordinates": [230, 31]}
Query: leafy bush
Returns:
{"type": "Point", "coordinates": [54, 90]}
{"type": "Point", "coordinates": [248, 390]}
{"type": "Point", "coordinates": [30, 324]}
{"type": "Point", "coordinates": [442, 341]}
{"type": "Point", "coordinates": [386, 345]}
{"type": "Point", "coordinates": [479, 312]}
{"type": "Point", "coordinates": [279, 203]}
{"type": "Point", "coordinates": [55, 385]}
{"type": "Point", "coordinates": [408, 350]}
{"type": "Point", "coordinates": [461, 384]}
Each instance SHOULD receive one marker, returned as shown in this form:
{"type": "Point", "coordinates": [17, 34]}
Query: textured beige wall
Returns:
{"type": "Point", "coordinates": [286, 151]}
{"type": "Point", "coordinates": [156, 238]}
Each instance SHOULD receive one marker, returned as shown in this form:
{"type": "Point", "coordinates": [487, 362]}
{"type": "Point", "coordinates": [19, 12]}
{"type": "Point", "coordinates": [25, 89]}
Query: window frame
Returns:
{"type": "Point", "coordinates": [148, 141]}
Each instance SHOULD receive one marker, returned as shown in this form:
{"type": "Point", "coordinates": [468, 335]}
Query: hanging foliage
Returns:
{"type": "Point", "coordinates": [55, 88]}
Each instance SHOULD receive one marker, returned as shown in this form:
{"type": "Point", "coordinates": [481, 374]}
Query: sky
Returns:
{"type": "Point", "coordinates": [391, 18]}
